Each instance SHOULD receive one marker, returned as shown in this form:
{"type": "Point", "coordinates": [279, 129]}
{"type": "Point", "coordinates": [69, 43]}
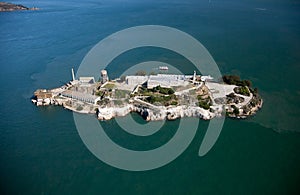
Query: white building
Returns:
{"type": "Point", "coordinates": [136, 80]}
{"type": "Point", "coordinates": [88, 98]}
{"type": "Point", "coordinates": [165, 80]}
{"type": "Point", "coordinates": [86, 80]}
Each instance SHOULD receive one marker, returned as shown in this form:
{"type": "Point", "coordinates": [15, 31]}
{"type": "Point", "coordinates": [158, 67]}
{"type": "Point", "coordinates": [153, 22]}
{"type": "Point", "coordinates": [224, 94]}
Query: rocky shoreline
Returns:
{"type": "Point", "coordinates": [8, 7]}
{"type": "Point", "coordinates": [164, 113]}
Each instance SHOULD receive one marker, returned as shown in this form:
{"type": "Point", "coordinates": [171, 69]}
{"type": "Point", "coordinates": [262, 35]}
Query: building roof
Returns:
{"type": "Point", "coordinates": [87, 80]}
{"type": "Point", "coordinates": [43, 94]}
{"type": "Point", "coordinates": [80, 96]}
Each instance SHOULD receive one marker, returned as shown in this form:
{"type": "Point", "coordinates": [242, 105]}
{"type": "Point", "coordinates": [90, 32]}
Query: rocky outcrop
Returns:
{"type": "Point", "coordinates": [108, 113]}
{"type": "Point", "coordinates": [169, 113]}
{"type": "Point", "coordinates": [5, 7]}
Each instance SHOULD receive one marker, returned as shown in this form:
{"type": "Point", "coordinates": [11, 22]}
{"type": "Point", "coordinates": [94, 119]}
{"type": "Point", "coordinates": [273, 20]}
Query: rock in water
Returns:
{"type": "Point", "coordinates": [4, 7]}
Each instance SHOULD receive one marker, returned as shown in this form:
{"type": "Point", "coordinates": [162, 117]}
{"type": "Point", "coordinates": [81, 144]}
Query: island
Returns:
{"type": "Point", "coordinates": [155, 96]}
{"type": "Point", "coordinates": [5, 7]}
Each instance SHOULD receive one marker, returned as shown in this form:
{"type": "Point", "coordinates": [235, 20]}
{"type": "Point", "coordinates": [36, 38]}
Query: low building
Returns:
{"type": "Point", "coordinates": [136, 80]}
{"type": "Point", "coordinates": [206, 78]}
{"type": "Point", "coordinates": [86, 80]}
{"type": "Point", "coordinates": [87, 98]}
{"type": "Point", "coordinates": [165, 80]}
{"type": "Point", "coordinates": [42, 97]}
{"type": "Point", "coordinates": [41, 94]}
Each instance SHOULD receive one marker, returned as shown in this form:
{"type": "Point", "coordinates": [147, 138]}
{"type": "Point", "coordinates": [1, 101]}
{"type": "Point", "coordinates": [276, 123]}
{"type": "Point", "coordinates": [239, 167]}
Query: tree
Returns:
{"type": "Point", "coordinates": [236, 80]}
{"type": "Point", "coordinates": [174, 103]}
{"type": "Point", "coordinates": [236, 111]}
{"type": "Point", "coordinates": [171, 91]}
{"type": "Point", "coordinates": [141, 73]}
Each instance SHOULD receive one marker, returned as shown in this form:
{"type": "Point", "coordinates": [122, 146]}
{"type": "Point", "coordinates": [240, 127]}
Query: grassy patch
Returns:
{"type": "Point", "coordinates": [99, 93]}
{"type": "Point", "coordinates": [109, 86]}
{"type": "Point", "coordinates": [79, 108]}
{"type": "Point", "coordinates": [163, 99]}
{"type": "Point", "coordinates": [118, 102]}
{"type": "Point", "coordinates": [121, 93]}
{"type": "Point", "coordinates": [157, 90]}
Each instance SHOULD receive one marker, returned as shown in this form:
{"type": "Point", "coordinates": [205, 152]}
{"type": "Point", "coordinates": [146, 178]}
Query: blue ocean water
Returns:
{"type": "Point", "coordinates": [41, 151]}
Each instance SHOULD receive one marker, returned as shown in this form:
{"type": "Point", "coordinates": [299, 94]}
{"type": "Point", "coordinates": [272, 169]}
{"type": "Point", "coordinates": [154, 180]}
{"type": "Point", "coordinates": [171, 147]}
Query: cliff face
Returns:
{"type": "Point", "coordinates": [4, 7]}
{"type": "Point", "coordinates": [163, 113]}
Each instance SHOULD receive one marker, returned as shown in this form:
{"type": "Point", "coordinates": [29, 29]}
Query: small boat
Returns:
{"type": "Point", "coordinates": [163, 68]}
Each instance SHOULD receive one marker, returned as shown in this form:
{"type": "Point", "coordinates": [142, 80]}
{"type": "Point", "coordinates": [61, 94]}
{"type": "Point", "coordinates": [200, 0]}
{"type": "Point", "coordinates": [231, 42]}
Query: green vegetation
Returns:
{"type": "Point", "coordinates": [162, 90]}
{"type": "Point", "coordinates": [99, 93]}
{"type": "Point", "coordinates": [109, 86]}
{"type": "Point", "coordinates": [158, 89]}
{"type": "Point", "coordinates": [236, 80]}
{"type": "Point", "coordinates": [174, 103]}
{"type": "Point", "coordinates": [235, 110]}
{"type": "Point", "coordinates": [141, 73]}
{"type": "Point", "coordinates": [79, 108]}
{"type": "Point", "coordinates": [204, 103]}
{"type": "Point", "coordinates": [159, 94]}
{"type": "Point", "coordinates": [152, 73]}
{"type": "Point", "coordinates": [243, 90]}
{"type": "Point", "coordinates": [166, 100]}
{"type": "Point", "coordinates": [104, 101]}
{"type": "Point", "coordinates": [118, 102]}
{"type": "Point", "coordinates": [231, 95]}
{"type": "Point", "coordinates": [121, 93]}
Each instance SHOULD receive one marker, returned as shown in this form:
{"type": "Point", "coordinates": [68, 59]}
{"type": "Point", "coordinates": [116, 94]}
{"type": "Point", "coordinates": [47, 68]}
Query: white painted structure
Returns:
{"type": "Point", "coordinates": [136, 80]}
{"type": "Point", "coordinates": [206, 78]}
{"type": "Point", "coordinates": [87, 80]}
{"type": "Point", "coordinates": [104, 76]}
{"type": "Point", "coordinates": [88, 98]}
{"type": "Point", "coordinates": [165, 80]}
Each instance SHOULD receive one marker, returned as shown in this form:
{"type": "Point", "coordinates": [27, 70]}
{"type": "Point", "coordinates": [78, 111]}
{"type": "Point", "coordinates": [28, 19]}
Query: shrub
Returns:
{"type": "Point", "coordinates": [174, 103]}
{"type": "Point", "coordinates": [141, 73]}
{"type": "Point", "coordinates": [204, 104]}
{"type": "Point", "coordinates": [79, 108]}
{"type": "Point", "coordinates": [171, 91]}
{"type": "Point", "coordinates": [235, 110]}
{"type": "Point", "coordinates": [99, 93]}
{"type": "Point", "coordinates": [243, 90]}
{"type": "Point", "coordinates": [109, 86]}
{"type": "Point", "coordinates": [236, 80]}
